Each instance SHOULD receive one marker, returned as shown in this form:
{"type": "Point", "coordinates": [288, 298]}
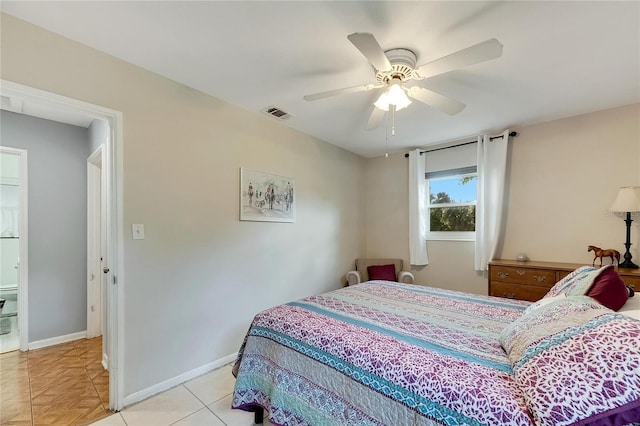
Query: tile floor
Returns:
{"type": "Point", "coordinates": [58, 385]}
{"type": "Point", "coordinates": [203, 401]}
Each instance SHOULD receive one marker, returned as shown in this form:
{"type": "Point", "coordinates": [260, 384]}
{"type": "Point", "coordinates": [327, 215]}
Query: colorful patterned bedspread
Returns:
{"type": "Point", "coordinates": [382, 353]}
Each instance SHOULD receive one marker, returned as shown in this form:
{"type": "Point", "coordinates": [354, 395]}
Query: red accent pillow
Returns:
{"type": "Point", "coordinates": [382, 272]}
{"type": "Point", "coordinates": [609, 289]}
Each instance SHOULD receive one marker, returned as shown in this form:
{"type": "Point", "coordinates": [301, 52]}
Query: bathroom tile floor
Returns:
{"type": "Point", "coordinates": [10, 341]}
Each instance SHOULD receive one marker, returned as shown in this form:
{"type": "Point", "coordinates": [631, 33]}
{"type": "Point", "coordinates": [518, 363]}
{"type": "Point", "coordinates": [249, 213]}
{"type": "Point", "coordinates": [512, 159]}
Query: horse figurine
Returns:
{"type": "Point", "coordinates": [599, 253]}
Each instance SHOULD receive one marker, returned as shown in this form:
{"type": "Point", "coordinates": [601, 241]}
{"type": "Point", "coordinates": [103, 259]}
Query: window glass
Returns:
{"type": "Point", "coordinates": [452, 205]}
{"type": "Point", "coordinates": [454, 189]}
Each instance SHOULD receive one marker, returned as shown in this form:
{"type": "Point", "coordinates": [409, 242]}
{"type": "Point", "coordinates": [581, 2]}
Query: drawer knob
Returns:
{"type": "Point", "coordinates": [509, 295]}
{"type": "Point", "coordinates": [503, 275]}
{"type": "Point", "coordinates": [539, 278]}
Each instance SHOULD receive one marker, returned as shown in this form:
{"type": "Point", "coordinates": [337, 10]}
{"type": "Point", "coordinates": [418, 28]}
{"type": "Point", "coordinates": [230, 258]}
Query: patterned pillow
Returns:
{"type": "Point", "coordinates": [576, 363]}
{"type": "Point", "coordinates": [546, 316]}
{"type": "Point", "coordinates": [571, 280]}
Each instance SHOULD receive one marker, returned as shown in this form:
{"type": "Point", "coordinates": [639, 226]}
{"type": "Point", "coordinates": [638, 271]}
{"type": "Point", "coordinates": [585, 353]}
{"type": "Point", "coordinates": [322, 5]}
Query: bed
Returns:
{"type": "Point", "coordinates": [385, 353]}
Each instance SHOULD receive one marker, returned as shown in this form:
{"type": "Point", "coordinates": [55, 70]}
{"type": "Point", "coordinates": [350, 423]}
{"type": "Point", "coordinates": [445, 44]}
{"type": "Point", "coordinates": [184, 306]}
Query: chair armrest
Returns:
{"type": "Point", "coordinates": [353, 277]}
{"type": "Point", "coordinates": [405, 277]}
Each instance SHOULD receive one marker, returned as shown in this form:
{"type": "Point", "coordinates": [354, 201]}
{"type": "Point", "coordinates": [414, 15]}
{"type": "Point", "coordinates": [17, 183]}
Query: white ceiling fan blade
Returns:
{"type": "Point", "coordinates": [475, 54]}
{"type": "Point", "coordinates": [354, 89]}
{"type": "Point", "coordinates": [376, 117]}
{"type": "Point", "coordinates": [367, 44]}
{"type": "Point", "coordinates": [436, 100]}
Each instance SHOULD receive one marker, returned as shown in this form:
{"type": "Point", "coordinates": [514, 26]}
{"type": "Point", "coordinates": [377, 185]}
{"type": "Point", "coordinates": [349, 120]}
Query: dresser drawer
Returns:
{"type": "Point", "coordinates": [517, 291]}
{"type": "Point", "coordinates": [514, 274]}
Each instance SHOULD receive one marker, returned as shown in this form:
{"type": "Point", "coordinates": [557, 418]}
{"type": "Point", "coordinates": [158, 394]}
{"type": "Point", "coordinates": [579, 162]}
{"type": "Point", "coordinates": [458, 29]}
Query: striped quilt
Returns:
{"type": "Point", "coordinates": [382, 353]}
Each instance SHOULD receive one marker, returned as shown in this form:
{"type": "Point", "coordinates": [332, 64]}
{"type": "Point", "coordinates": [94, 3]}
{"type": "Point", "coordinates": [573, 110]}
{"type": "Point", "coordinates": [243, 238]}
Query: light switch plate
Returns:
{"type": "Point", "coordinates": [138, 231]}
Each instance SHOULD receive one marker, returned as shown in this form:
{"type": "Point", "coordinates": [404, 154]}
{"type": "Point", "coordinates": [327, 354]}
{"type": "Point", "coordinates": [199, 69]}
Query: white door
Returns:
{"type": "Point", "coordinates": [13, 249]}
{"type": "Point", "coordinates": [95, 225]}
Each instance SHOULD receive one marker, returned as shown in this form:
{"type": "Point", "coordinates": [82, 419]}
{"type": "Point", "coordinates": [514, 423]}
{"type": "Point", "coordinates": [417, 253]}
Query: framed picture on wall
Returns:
{"type": "Point", "coordinates": [266, 198]}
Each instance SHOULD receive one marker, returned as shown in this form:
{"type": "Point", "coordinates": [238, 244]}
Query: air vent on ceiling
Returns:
{"type": "Point", "coordinates": [277, 112]}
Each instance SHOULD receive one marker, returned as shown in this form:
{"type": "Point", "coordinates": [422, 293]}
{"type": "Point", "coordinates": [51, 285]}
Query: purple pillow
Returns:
{"type": "Point", "coordinates": [609, 289]}
{"type": "Point", "coordinates": [382, 272]}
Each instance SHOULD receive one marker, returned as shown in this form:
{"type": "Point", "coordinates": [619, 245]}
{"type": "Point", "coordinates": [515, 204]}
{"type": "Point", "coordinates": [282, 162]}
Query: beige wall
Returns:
{"type": "Point", "coordinates": [194, 283]}
{"type": "Point", "coordinates": [562, 178]}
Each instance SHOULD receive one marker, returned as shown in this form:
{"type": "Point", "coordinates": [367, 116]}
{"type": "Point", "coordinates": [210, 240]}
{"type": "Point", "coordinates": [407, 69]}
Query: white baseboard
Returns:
{"type": "Point", "coordinates": [177, 380]}
{"type": "Point", "coordinates": [57, 340]}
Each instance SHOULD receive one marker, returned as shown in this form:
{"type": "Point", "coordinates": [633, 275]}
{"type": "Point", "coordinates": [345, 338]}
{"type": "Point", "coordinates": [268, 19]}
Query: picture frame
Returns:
{"type": "Point", "coordinates": [265, 197]}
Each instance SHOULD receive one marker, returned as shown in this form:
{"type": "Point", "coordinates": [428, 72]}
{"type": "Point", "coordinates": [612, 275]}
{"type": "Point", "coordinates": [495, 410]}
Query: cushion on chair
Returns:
{"type": "Point", "coordinates": [382, 272]}
{"type": "Point", "coordinates": [362, 264]}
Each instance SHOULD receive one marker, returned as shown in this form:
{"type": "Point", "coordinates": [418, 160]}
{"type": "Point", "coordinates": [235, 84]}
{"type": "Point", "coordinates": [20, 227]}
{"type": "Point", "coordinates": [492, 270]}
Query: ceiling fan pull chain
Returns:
{"type": "Point", "coordinates": [393, 118]}
{"type": "Point", "coordinates": [386, 138]}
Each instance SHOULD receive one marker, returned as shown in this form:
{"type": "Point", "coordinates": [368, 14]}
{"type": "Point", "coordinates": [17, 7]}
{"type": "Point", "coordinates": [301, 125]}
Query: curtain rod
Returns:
{"type": "Point", "coordinates": [512, 134]}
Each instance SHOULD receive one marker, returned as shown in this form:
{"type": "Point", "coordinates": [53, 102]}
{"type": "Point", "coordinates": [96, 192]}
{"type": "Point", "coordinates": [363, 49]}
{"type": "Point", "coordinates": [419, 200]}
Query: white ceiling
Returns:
{"type": "Point", "coordinates": [561, 58]}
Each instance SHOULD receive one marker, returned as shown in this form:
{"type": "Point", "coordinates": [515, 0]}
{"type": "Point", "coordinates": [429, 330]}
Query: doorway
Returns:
{"type": "Point", "coordinates": [26, 100]}
{"type": "Point", "coordinates": [13, 249]}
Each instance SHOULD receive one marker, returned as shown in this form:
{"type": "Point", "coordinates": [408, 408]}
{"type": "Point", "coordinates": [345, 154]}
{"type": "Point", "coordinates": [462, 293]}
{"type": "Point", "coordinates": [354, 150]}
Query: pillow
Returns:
{"type": "Point", "coordinates": [604, 285]}
{"type": "Point", "coordinates": [576, 363]}
{"type": "Point", "coordinates": [382, 272]}
{"type": "Point", "coordinates": [542, 302]}
{"type": "Point", "coordinates": [609, 289]}
{"type": "Point", "coordinates": [541, 318]}
{"type": "Point", "coordinates": [569, 281]}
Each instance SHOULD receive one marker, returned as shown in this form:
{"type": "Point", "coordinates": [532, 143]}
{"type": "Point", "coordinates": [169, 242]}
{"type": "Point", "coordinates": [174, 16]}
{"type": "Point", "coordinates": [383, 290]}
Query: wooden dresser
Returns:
{"type": "Point", "coordinates": [532, 280]}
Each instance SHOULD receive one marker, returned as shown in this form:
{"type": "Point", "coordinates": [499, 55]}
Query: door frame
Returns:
{"type": "Point", "coordinates": [113, 255]}
{"type": "Point", "coordinates": [23, 245]}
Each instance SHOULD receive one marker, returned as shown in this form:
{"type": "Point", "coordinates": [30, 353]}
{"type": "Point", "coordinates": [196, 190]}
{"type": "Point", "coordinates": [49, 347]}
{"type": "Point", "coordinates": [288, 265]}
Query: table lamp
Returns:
{"type": "Point", "coordinates": [627, 202]}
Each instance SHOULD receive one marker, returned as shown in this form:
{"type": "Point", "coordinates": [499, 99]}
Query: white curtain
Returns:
{"type": "Point", "coordinates": [492, 164]}
{"type": "Point", "coordinates": [417, 210]}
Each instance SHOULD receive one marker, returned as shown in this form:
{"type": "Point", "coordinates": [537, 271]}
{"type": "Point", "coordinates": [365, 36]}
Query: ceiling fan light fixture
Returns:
{"type": "Point", "coordinates": [394, 95]}
{"type": "Point", "coordinates": [383, 102]}
{"type": "Point", "coordinates": [398, 97]}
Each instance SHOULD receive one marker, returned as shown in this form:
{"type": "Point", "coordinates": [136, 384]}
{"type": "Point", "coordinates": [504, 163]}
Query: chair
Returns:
{"type": "Point", "coordinates": [361, 274]}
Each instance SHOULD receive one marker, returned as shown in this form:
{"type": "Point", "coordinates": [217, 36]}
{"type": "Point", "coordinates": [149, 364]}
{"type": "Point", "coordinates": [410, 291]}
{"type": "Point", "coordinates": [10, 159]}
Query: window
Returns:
{"type": "Point", "coordinates": [451, 204]}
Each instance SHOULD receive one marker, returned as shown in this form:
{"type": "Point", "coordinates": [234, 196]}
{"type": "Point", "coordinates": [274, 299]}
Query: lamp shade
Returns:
{"type": "Point", "coordinates": [626, 201]}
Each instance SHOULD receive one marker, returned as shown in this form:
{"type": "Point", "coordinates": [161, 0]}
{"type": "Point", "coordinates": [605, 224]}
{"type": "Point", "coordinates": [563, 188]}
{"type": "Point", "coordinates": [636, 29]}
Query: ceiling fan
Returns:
{"type": "Point", "coordinates": [396, 67]}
